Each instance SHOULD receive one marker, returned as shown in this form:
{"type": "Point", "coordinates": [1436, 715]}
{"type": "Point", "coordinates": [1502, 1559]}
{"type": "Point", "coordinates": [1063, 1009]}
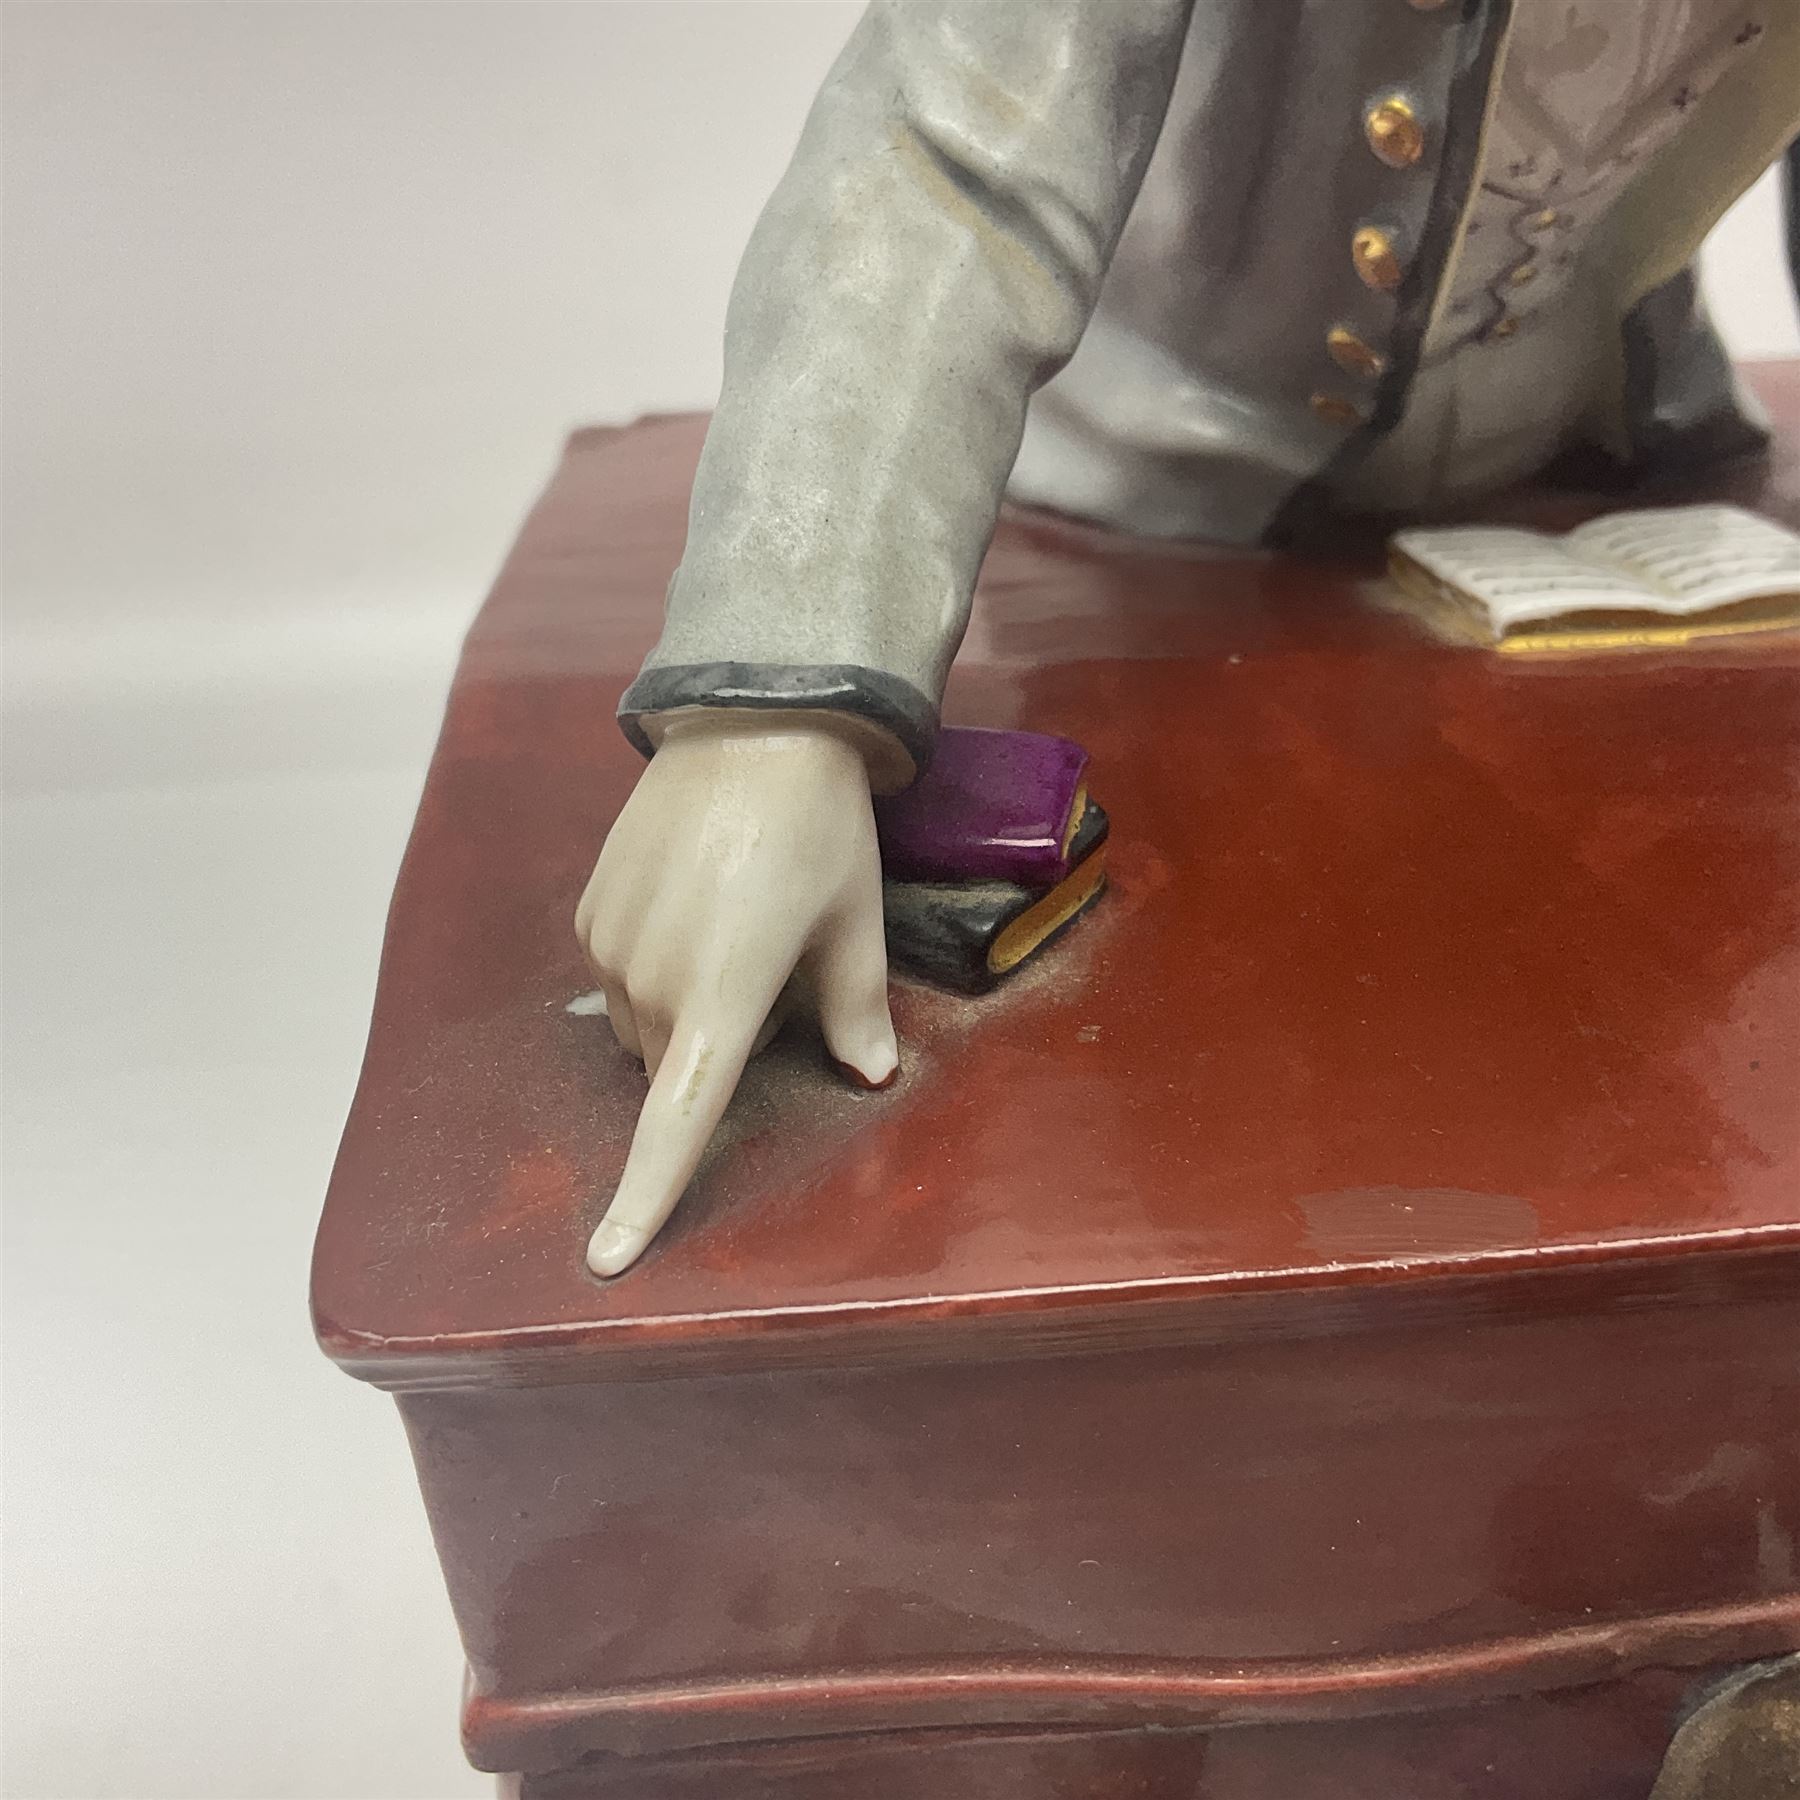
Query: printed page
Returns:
{"type": "Point", "coordinates": [1695, 558]}
{"type": "Point", "coordinates": [1519, 576]}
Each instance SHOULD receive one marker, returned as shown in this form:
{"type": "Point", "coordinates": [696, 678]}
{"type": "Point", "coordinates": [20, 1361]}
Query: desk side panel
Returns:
{"type": "Point", "coordinates": [1168, 1536]}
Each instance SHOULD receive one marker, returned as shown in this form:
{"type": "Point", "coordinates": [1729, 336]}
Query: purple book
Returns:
{"type": "Point", "coordinates": [993, 806]}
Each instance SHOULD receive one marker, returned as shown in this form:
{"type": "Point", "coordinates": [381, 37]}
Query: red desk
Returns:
{"type": "Point", "coordinates": [1346, 1292]}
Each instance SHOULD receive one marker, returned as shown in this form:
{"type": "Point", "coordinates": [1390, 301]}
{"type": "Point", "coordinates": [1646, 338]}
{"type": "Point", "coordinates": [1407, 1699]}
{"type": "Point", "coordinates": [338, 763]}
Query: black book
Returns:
{"type": "Point", "coordinates": [970, 935]}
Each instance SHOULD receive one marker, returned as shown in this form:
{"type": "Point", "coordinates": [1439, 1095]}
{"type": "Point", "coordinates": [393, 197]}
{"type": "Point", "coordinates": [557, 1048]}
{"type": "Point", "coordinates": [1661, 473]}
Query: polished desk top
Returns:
{"type": "Point", "coordinates": [1428, 978]}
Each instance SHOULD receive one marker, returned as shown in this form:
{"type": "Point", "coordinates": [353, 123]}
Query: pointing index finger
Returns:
{"type": "Point", "coordinates": [699, 1074]}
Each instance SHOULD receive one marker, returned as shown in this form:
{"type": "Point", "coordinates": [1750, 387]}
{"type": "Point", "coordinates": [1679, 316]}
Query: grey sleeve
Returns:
{"type": "Point", "coordinates": [929, 259]}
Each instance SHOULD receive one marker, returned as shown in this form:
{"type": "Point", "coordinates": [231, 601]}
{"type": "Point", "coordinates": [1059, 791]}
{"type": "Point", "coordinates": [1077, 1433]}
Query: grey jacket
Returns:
{"type": "Point", "coordinates": [944, 233]}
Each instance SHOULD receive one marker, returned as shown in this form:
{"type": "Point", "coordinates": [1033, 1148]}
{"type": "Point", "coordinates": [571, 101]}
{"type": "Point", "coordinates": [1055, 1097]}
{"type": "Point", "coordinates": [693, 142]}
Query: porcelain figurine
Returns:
{"type": "Point", "coordinates": [1219, 269]}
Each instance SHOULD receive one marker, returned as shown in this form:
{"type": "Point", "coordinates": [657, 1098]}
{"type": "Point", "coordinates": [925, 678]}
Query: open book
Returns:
{"type": "Point", "coordinates": [1653, 578]}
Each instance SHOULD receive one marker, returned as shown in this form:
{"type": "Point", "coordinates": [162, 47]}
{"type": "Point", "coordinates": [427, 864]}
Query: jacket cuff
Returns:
{"type": "Point", "coordinates": [872, 695]}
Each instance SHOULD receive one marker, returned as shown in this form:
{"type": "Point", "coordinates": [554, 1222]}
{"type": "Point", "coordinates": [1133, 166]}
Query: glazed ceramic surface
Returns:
{"type": "Point", "coordinates": [1353, 1272]}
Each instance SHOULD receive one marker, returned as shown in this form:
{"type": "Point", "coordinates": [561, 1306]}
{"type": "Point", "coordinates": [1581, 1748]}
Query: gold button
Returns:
{"type": "Point", "coordinates": [1522, 274]}
{"type": "Point", "coordinates": [1351, 354]}
{"type": "Point", "coordinates": [1394, 132]}
{"type": "Point", "coordinates": [1335, 410]}
{"type": "Point", "coordinates": [1372, 250]}
{"type": "Point", "coordinates": [1503, 328]}
{"type": "Point", "coordinates": [1544, 220]}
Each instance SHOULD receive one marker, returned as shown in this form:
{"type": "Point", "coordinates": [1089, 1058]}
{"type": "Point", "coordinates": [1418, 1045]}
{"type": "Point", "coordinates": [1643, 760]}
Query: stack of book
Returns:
{"type": "Point", "coordinates": [993, 852]}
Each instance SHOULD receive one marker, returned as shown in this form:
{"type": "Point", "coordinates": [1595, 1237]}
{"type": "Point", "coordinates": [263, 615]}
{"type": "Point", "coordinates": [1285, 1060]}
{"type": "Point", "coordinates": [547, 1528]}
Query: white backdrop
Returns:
{"type": "Point", "coordinates": [299, 300]}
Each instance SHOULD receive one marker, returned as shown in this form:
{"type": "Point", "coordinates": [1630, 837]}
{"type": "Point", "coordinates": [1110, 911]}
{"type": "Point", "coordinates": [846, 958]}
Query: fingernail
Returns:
{"type": "Point", "coordinates": [876, 1068]}
{"type": "Point", "coordinates": [612, 1249]}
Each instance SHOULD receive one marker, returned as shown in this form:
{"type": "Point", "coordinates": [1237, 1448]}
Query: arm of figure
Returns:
{"type": "Point", "coordinates": [929, 259]}
{"type": "Point", "coordinates": [694, 925]}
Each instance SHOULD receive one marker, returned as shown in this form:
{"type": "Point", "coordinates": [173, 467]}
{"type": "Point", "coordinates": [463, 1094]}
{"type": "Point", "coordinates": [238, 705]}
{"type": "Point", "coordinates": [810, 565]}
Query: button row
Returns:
{"type": "Point", "coordinates": [1396, 137]}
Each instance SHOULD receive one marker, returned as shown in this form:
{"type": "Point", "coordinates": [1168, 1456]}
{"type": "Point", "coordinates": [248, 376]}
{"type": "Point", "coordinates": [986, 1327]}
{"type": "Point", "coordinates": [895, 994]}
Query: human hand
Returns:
{"type": "Point", "coordinates": [745, 856]}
